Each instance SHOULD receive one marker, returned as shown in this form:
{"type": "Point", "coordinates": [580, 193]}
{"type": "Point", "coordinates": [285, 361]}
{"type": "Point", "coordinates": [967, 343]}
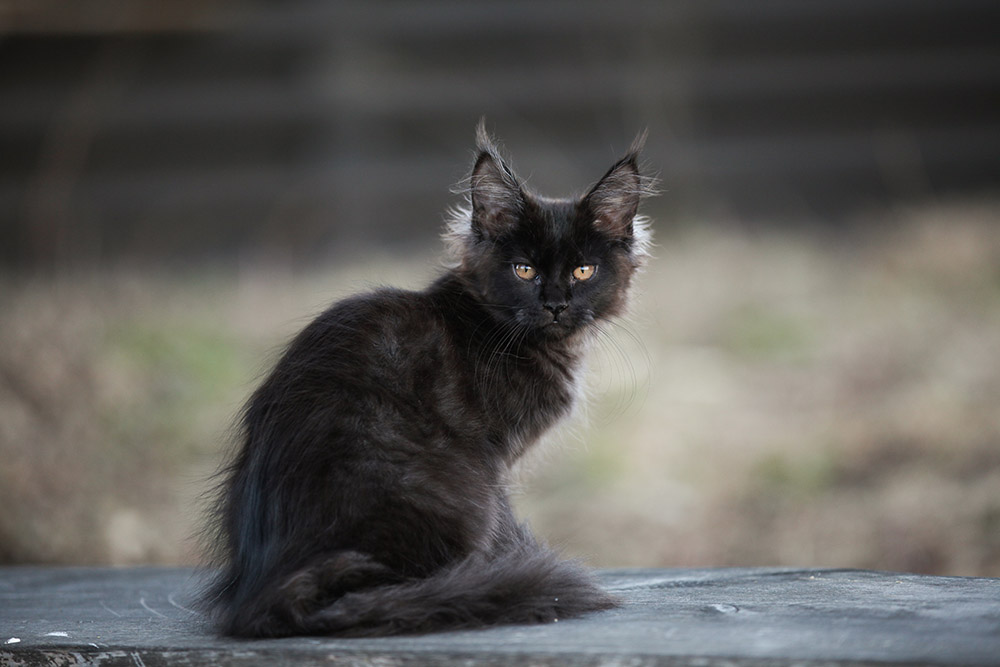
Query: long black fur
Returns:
{"type": "Point", "coordinates": [367, 495]}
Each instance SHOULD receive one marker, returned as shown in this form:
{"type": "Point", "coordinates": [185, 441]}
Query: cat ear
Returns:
{"type": "Point", "coordinates": [496, 197]}
{"type": "Point", "coordinates": [614, 201]}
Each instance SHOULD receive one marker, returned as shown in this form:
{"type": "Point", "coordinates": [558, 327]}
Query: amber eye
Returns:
{"type": "Point", "coordinates": [585, 272]}
{"type": "Point", "coordinates": [525, 272]}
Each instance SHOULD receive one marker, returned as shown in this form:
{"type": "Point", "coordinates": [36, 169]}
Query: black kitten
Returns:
{"type": "Point", "coordinates": [368, 495]}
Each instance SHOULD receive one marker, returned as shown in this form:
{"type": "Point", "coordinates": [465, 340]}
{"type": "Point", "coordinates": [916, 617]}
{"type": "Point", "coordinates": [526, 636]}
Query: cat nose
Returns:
{"type": "Point", "coordinates": [555, 309]}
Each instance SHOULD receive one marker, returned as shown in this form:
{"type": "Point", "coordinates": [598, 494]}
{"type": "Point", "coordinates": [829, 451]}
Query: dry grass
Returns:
{"type": "Point", "coordinates": [795, 399]}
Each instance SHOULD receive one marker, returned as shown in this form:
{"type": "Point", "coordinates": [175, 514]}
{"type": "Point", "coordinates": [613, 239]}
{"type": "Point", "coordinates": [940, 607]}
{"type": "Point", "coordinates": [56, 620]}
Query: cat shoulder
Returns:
{"type": "Point", "coordinates": [385, 310]}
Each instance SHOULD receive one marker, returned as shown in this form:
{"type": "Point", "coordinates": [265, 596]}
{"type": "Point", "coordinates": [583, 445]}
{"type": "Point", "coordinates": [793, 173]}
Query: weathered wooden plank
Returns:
{"type": "Point", "coordinates": [744, 616]}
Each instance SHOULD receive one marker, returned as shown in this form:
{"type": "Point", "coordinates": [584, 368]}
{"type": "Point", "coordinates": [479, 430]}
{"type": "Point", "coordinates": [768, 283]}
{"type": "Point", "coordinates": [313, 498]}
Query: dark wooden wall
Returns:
{"type": "Point", "coordinates": [308, 127]}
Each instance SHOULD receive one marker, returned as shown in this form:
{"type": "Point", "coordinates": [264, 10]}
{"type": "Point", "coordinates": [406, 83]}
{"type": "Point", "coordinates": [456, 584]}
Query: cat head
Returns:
{"type": "Point", "coordinates": [549, 267]}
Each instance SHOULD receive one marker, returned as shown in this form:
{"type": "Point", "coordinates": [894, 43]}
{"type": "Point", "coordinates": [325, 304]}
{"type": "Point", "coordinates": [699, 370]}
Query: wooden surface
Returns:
{"type": "Point", "coordinates": [671, 617]}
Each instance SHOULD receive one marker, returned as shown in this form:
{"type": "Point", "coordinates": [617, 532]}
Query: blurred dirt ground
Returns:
{"type": "Point", "coordinates": [776, 398]}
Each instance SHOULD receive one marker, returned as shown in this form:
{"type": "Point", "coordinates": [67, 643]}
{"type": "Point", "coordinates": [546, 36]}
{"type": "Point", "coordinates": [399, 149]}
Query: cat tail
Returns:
{"type": "Point", "coordinates": [521, 584]}
{"type": "Point", "coordinates": [526, 584]}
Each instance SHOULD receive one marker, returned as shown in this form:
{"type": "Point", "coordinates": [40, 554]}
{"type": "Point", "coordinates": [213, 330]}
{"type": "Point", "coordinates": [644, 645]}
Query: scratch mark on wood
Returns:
{"type": "Point", "coordinates": [110, 610]}
{"type": "Point", "coordinates": [145, 606]}
{"type": "Point", "coordinates": [171, 600]}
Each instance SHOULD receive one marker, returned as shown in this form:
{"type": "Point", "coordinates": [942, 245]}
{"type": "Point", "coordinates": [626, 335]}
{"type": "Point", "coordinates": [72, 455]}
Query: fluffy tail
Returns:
{"type": "Point", "coordinates": [525, 584]}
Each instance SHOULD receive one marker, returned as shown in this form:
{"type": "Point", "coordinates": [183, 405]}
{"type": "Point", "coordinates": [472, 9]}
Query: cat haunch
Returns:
{"type": "Point", "coordinates": [367, 493]}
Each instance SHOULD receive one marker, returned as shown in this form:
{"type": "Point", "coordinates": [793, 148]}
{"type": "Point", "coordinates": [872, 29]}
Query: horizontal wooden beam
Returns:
{"type": "Point", "coordinates": [735, 617]}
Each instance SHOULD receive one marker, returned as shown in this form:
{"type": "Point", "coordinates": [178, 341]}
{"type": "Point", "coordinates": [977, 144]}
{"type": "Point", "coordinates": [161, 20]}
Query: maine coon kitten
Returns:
{"type": "Point", "coordinates": [368, 494]}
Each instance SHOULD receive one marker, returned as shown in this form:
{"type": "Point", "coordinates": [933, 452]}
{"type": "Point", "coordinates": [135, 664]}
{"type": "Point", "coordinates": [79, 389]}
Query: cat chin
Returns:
{"type": "Point", "coordinates": [559, 331]}
{"type": "Point", "coordinates": [556, 330]}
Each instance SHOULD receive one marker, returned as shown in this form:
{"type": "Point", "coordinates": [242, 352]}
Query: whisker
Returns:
{"type": "Point", "coordinates": [496, 349]}
{"type": "Point", "coordinates": [622, 361]}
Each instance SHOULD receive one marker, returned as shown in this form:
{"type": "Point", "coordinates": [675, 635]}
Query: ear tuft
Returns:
{"type": "Point", "coordinates": [614, 201]}
{"type": "Point", "coordinates": [495, 194]}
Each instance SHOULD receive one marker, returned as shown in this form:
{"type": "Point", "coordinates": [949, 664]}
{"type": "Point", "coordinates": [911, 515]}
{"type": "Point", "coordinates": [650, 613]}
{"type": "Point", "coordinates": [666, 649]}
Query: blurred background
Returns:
{"type": "Point", "coordinates": [811, 374]}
